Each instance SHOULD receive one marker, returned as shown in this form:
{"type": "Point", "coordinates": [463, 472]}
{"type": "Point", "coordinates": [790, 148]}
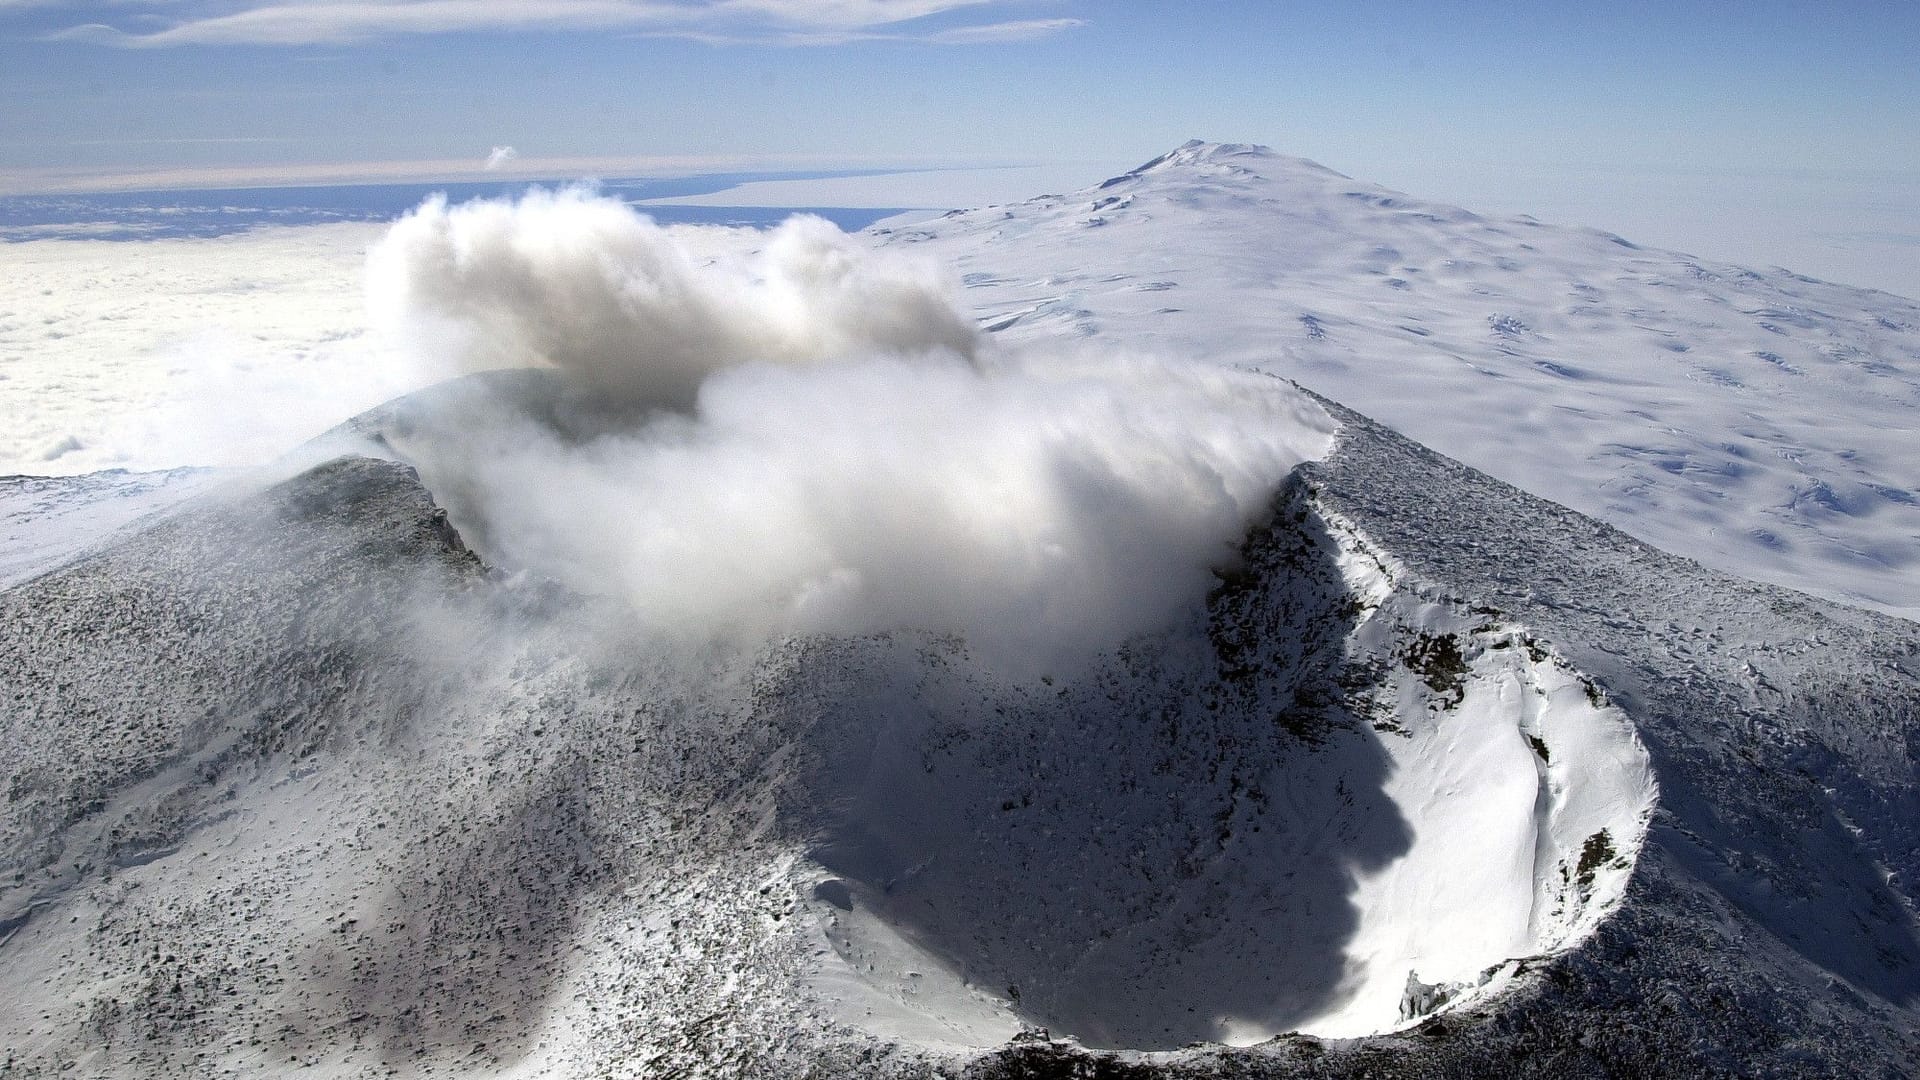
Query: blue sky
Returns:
{"type": "Point", "coordinates": [1450, 100]}
{"type": "Point", "coordinates": [103, 86]}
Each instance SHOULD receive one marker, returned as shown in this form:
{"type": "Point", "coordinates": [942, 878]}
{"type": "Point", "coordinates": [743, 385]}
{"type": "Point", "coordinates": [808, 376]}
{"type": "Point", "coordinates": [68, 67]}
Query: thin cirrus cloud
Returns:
{"type": "Point", "coordinates": [767, 22]}
{"type": "Point", "coordinates": [977, 34]}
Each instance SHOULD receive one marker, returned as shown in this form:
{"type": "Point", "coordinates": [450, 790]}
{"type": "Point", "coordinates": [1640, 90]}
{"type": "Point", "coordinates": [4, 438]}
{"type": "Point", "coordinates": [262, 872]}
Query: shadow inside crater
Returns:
{"type": "Point", "coordinates": [1159, 851]}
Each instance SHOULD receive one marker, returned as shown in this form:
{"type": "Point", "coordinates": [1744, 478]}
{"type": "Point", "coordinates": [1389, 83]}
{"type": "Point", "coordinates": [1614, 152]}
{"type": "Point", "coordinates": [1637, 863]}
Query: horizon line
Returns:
{"type": "Point", "coordinates": [34, 181]}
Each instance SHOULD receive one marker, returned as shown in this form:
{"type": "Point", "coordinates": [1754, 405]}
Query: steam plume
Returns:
{"type": "Point", "coordinates": [585, 284]}
{"type": "Point", "coordinates": [827, 445]}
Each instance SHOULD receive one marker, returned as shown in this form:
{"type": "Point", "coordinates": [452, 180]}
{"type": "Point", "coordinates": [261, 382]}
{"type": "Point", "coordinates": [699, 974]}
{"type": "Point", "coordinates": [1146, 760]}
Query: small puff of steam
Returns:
{"type": "Point", "coordinates": [583, 283]}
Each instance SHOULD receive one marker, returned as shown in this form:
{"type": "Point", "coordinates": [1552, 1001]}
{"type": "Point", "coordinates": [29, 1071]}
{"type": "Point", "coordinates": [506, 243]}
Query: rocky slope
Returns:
{"type": "Point", "coordinates": [297, 780]}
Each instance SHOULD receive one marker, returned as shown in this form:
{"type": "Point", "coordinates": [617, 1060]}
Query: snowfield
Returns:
{"type": "Point", "coordinates": [1760, 422]}
{"type": "Point", "coordinates": [845, 692]}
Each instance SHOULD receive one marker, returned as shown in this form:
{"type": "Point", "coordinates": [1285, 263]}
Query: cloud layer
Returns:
{"type": "Point", "coordinates": [814, 439]}
{"type": "Point", "coordinates": [162, 353]}
{"type": "Point", "coordinates": [776, 22]}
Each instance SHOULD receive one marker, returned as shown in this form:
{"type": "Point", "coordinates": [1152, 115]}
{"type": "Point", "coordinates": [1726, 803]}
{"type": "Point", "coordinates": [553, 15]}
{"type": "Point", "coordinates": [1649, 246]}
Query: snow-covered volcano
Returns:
{"type": "Point", "coordinates": [1328, 799]}
{"type": "Point", "coordinates": [1331, 802]}
{"type": "Point", "coordinates": [1402, 769]}
{"type": "Point", "coordinates": [1758, 421]}
{"type": "Point", "coordinates": [295, 781]}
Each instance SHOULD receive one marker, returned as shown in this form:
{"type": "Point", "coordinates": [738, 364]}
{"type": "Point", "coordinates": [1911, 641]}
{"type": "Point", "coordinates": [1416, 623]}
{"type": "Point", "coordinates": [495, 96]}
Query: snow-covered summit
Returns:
{"type": "Point", "coordinates": [1247, 159]}
{"type": "Point", "coordinates": [1756, 420]}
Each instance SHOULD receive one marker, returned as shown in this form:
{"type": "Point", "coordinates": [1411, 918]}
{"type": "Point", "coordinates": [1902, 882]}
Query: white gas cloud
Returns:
{"type": "Point", "coordinates": [813, 438]}
{"type": "Point", "coordinates": [757, 21]}
{"type": "Point", "coordinates": [500, 157]}
{"type": "Point", "coordinates": [583, 283]}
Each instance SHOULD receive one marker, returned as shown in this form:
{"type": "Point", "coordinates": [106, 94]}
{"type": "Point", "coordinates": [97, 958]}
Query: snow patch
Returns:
{"type": "Point", "coordinates": [1527, 792]}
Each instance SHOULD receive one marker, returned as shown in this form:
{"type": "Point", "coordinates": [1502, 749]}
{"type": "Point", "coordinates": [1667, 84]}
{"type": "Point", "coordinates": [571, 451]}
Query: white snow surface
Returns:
{"type": "Point", "coordinates": [1528, 797]}
{"type": "Point", "coordinates": [46, 520]}
{"type": "Point", "coordinates": [1761, 422]}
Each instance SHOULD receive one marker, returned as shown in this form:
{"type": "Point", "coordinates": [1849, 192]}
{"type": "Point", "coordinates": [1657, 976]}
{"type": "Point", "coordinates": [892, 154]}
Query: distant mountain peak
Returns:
{"type": "Point", "coordinates": [1247, 159]}
{"type": "Point", "coordinates": [1196, 151]}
